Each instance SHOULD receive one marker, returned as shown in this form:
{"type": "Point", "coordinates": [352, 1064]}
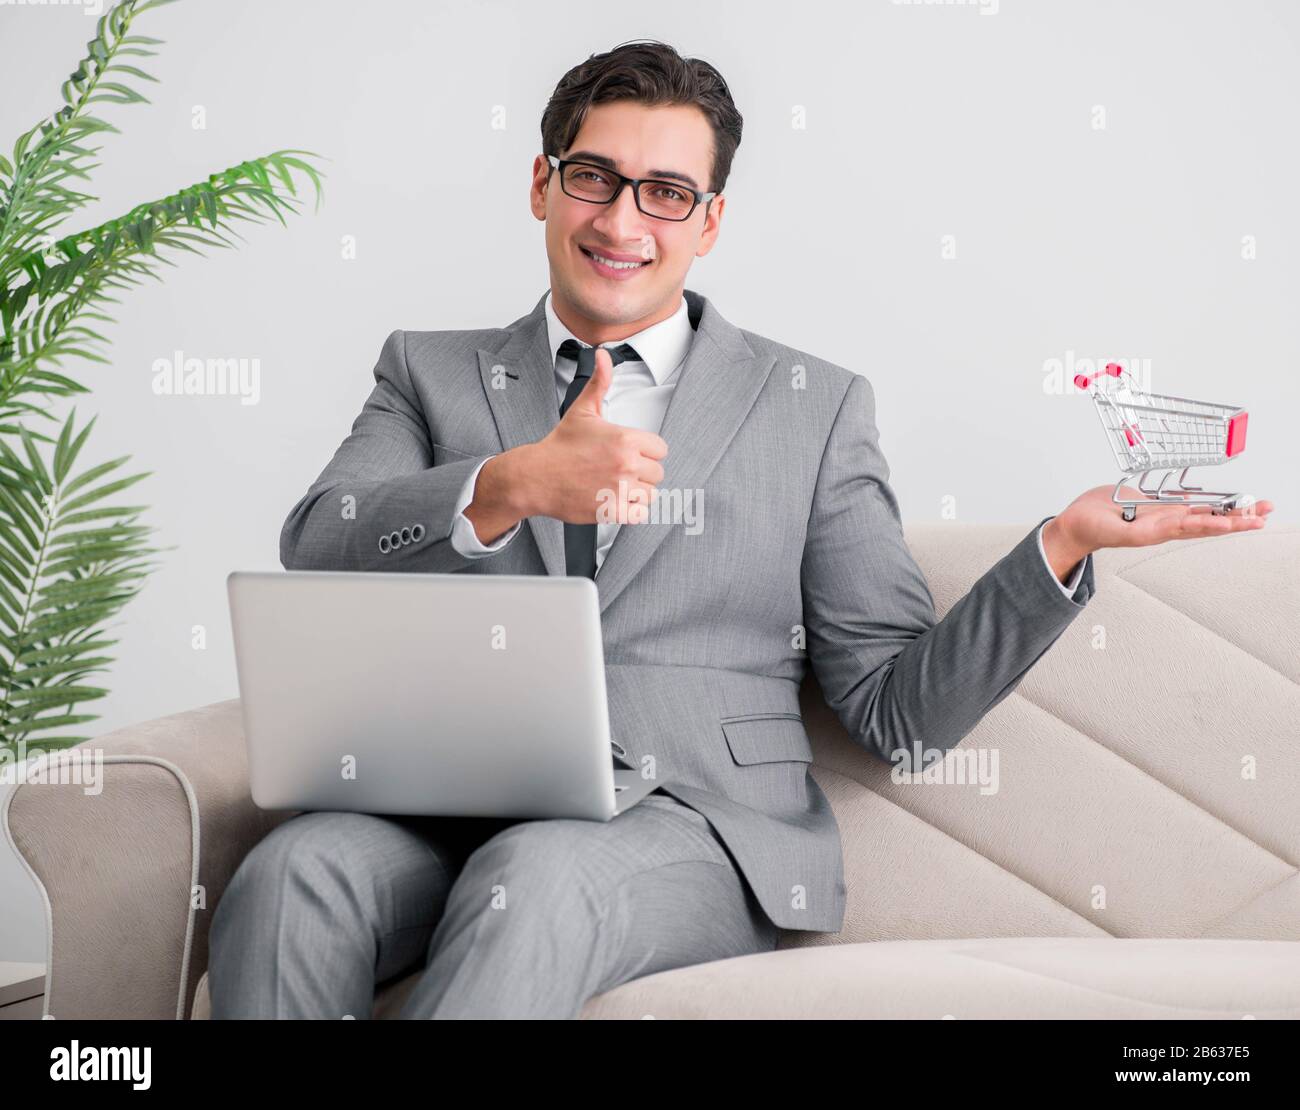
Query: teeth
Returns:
{"type": "Point", "coordinates": [614, 265]}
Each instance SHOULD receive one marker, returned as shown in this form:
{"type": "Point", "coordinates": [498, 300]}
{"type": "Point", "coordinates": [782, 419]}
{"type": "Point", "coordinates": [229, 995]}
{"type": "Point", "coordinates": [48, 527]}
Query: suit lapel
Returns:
{"type": "Point", "coordinates": [716, 387]}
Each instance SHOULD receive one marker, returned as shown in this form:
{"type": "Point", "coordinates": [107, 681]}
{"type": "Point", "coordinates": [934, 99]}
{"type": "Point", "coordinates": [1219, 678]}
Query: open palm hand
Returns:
{"type": "Point", "coordinates": [1094, 521]}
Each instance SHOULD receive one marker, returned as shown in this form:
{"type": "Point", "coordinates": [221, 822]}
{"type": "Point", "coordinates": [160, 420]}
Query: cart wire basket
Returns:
{"type": "Point", "coordinates": [1155, 434]}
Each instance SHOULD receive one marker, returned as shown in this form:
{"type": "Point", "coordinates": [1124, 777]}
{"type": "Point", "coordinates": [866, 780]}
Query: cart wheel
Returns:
{"type": "Point", "coordinates": [1130, 511]}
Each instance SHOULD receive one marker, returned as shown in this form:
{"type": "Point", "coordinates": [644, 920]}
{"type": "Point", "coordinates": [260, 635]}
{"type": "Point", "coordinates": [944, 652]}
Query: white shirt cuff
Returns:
{"type": "Point", "coordinates": [463, 537]}
{"type": "Point", "coordinates": [1069, 587]}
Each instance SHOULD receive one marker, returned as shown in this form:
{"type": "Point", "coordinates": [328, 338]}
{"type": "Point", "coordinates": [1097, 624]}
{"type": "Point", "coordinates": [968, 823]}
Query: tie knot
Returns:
{"type": "Point", "coordinates": [586, 356]}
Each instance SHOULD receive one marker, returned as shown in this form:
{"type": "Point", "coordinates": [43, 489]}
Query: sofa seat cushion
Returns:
{"type": "Point", "coordinates": [1006, 977]}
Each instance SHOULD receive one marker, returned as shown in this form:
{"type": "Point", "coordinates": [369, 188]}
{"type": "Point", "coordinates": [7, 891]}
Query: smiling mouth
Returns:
{"type": "Point", "coordinates": [614, 266]}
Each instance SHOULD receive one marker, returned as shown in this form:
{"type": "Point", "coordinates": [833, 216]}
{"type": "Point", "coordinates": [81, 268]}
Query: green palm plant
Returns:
{"type": "Point", "coordinates": [69, 561]}
{"type": "Point", "coordinates": [67, 564]}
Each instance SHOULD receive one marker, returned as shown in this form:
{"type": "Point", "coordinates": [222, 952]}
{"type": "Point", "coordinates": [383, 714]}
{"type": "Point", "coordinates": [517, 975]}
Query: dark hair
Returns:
{"type": "Point", "coordinates": [651, 73]}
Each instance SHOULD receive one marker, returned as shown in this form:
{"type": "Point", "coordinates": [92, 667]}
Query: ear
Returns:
{"type": "Point", "coordinates": [712, 224]}
{"type": "Point", "coordinates": [542, 171]}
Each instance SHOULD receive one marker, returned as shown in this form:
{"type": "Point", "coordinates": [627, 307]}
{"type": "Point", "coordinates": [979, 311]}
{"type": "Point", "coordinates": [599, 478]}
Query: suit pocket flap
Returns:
{"type": "Point", "coordinates": [767, 738]}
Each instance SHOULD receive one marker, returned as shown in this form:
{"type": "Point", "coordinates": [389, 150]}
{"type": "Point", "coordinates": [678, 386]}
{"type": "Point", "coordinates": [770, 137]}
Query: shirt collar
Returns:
{"type": "Point", "coordinates": [662, 346]}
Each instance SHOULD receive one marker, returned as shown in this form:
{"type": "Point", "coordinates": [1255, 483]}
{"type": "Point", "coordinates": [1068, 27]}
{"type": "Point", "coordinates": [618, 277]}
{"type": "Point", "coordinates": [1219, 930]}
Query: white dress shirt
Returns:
{"type": "Point", "coordinates": [638, 397]}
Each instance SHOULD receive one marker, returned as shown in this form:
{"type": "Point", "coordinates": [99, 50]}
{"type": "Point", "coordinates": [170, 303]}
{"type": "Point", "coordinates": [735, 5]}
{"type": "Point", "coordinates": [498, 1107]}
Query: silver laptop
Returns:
{"type": "Point", "coordinates": [427, 694]}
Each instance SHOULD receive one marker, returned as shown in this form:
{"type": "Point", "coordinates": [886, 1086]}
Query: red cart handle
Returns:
{"type": "Point", "coordinates": [1114, 369]}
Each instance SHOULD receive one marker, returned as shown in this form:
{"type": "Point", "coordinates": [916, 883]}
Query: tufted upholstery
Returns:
{"type": "Point", "coordinates": [1138, 857]}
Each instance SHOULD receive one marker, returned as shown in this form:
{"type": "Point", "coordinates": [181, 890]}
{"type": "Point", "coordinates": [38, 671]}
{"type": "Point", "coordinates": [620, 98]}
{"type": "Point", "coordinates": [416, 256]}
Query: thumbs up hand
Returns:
{"type": "Point", "coordinates": [574, 473]}
{"type": "Point", "coordinates": [588, 402]}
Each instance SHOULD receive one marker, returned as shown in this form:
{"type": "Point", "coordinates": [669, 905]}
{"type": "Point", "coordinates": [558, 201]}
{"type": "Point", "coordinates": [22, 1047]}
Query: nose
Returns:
{"type": "Point", "coordinates": [621, 220]}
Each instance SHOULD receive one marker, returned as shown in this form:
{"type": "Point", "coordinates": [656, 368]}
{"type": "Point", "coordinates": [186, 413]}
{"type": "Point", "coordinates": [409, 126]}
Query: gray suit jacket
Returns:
{"type": "Point", "coordinates": [705, 633]}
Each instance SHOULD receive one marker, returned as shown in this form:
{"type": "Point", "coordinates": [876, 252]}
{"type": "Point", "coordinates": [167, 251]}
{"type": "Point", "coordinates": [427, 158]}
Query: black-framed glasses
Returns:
{"type": "Point", "coordinates": [664, 200]}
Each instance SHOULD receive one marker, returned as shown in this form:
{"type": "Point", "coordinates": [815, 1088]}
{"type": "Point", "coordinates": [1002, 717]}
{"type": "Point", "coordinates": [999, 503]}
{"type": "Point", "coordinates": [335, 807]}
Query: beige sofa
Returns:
{"type": "Point", "coordinates": [1138, 858]}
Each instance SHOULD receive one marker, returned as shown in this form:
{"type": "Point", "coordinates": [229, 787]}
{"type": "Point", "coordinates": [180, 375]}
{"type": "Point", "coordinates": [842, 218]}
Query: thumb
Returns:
{"type": "Point", "coordinates": [593, 393]}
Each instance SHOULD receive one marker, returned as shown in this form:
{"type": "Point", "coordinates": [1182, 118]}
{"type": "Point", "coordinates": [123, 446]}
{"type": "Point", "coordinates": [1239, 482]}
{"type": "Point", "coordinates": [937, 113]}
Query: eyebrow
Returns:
{"type": "Point", "coordinates": [608, 163]}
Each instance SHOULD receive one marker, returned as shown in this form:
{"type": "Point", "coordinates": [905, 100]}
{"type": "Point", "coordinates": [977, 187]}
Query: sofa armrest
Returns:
{"type": "Point", "coordinates": [131, 873]}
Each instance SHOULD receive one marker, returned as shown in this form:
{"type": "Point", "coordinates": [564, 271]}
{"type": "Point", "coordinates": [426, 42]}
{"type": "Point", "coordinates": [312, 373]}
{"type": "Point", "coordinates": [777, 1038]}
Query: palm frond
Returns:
{"type": "Point", "coordinates": [44, 318]}
{"type": "Point", "coordinates": [36, 185]}
{"type": "Point", "coordinates": [61, 582]}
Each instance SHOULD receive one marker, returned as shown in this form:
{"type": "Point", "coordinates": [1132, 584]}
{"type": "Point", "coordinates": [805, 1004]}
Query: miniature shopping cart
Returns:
{"type": "Point", "coordinates": [1153, 433]}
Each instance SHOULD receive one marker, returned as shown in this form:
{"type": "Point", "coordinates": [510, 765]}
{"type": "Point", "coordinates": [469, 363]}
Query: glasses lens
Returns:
{"type": "Point", "coordinates": [588, 183]}
{"type": "Point", "coordinates": [666, 200]}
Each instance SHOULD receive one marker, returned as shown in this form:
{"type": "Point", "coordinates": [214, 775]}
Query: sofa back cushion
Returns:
{"type": "Point", "coordinates": [1143, 780]}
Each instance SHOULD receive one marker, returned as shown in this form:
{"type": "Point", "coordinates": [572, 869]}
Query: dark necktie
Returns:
{"type": "Point", "coordinates": [580, 539]}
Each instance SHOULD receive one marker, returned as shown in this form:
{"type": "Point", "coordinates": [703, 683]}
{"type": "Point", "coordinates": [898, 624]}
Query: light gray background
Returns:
{"type": "Point", "coordinates": [922, 121]}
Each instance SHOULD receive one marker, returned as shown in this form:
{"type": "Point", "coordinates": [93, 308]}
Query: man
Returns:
{"type": "Point", "coordinates": [521, 451]}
